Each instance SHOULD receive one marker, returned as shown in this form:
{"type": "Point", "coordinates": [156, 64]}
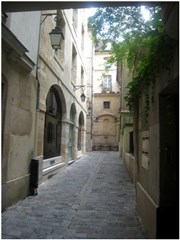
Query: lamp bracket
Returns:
{"type": "Point", "coordinates": [47, 15]}
{"type": "Point", "coordinates": [76, 87]}
{"type": "Point", "coordinates": [56, 18]}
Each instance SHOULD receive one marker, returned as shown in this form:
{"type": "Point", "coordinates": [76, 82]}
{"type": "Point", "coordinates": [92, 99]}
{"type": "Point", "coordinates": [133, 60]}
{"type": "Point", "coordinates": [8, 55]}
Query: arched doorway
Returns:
{"type": "Point", "coordinates": [52, 130]}
{"type": "Point", "coordinates": [80, 131]}
{"type": "Point", "coordinates": [71, 132]}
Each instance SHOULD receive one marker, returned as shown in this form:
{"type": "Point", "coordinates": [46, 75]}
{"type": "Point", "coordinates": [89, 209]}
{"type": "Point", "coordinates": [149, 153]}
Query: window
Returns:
{"type": "Point", "coordinates": [52, 129]}
{"type": "Point", "coordinates": [52, 103]}
{"type": "Point", "coordinates": [107, 83]}
{"type": "Point", "coordinates": [74, 65]}
{"type": "Point", "coordinates": [82, 76]}
{"type": "Point", "coordinates": [75, 17]}
{"type": "Point", "coordinates": [106, 105]}
{"type": "Point", "coordinates": [82, 38]}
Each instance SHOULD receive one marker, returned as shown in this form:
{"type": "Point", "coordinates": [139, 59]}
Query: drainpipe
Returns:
{"type": "Point", "coordinates": [92, 98]}
{"type": "Point", "coordinates": [38, 96]}
{"type": "Point", "coordinates": [35, 174]}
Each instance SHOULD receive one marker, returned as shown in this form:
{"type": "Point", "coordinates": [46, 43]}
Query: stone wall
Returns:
{"type": "Point", "coordinates": [105, 124]}
{"type": "Point", "coordinates": [19, 106]}
{"type": "Point", "coordinates": [156, 168]}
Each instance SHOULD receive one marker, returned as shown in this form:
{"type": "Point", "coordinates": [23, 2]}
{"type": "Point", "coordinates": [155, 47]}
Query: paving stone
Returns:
{"type": "Point", "coordinates": [91, 198]}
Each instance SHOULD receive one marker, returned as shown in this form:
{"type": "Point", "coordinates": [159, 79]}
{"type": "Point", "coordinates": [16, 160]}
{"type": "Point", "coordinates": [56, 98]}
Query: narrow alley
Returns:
{"type": "Point", "coordinates": [91, 198]}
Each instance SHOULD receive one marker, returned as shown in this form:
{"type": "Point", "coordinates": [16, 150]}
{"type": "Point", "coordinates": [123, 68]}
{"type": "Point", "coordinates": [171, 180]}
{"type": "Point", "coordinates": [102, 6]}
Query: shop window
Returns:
{"type": "Point", "coordinates": [52, 129]}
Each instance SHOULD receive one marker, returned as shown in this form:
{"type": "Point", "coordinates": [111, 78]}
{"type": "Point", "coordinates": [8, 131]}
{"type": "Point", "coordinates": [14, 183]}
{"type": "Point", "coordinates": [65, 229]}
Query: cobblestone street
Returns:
{"type": "Point", "coordinates": [91, 198]}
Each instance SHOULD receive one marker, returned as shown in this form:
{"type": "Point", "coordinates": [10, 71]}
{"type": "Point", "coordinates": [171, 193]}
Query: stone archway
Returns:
{"type": "Point", "coordinates": [53, 125]}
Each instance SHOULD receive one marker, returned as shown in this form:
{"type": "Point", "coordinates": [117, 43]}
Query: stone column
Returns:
{"type": "Point", "coordinates": [75, 147]}
{"type": "Point", "coordinates": [64, 141]}
{"type": "Point", "coordinates": [83, 140]}
{"type": "Point", "coordinates": [88, 133]}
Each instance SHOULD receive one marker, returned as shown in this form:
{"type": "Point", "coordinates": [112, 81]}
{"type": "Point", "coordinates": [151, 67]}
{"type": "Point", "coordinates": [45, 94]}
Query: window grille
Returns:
{"type": "Point", "coordinates": [106, 105]}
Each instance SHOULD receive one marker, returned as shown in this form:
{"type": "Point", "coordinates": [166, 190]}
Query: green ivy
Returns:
{"type": "Point", "coordinates": [146, 56]}
{"type": "Point", "coordinates": [156, 57]}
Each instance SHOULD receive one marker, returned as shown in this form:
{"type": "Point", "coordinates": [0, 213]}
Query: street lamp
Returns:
{"type": "Point", "coordinates": [89, 110]}
{"type": "Point", "coordinates": [83, 96]}
{"type": "Point", "coordinates": [56, 37]}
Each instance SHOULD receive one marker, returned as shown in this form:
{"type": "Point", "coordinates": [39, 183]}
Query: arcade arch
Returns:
{"type": "Point", "coordinates": [55, 112]}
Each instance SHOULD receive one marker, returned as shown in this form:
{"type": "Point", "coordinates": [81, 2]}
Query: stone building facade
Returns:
{"type": "Point", "coordinates": [156, 154]}
{"type": "Point", "coordinates": [43, 115]}
{"type": "Point", "coordinates": [106, 103]}
{"type": "Point", "coordinates": [19, 85]}
{"type": "Point", "coordinates": [126, 133]}
{"type": "Point", "coordinates": [156, 162]}
{"type": "Point", "coordinates": [60, 75]}
{"type": "Point", "coordinates": [89, 92]}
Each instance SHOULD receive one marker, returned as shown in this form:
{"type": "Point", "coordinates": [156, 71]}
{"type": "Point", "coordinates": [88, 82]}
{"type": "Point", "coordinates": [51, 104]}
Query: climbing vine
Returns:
{"type": "Point", "coordinates": [146, 56]}
{"type": "Point", "coordinates": [155, 56]}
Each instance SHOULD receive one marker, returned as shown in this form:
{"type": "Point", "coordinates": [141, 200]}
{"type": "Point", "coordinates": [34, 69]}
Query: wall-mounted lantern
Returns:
{"type": "Point", "coordinates": [83, 96]}
{"type": "Point", "coordinates": [89, 110]}
{"type": "Point", "coordinates": [56, 35]}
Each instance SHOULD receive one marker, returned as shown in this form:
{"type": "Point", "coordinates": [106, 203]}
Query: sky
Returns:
{"type": "Point", "coordinates": [145, 12]}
